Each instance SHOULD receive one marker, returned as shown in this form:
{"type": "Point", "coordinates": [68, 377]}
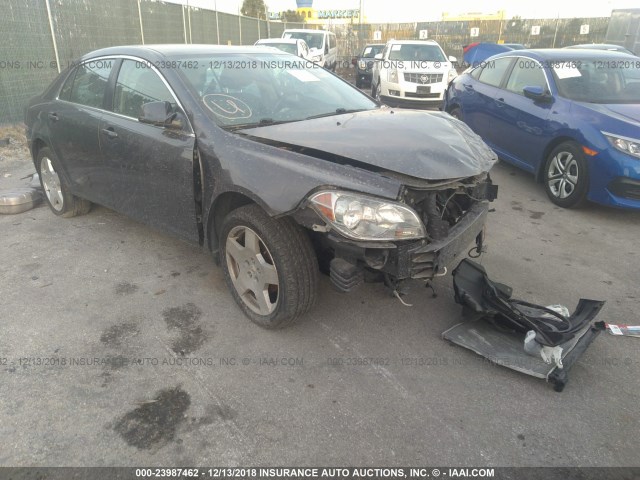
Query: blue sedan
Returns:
{"type": "Point", "coordinates": [570, 117]}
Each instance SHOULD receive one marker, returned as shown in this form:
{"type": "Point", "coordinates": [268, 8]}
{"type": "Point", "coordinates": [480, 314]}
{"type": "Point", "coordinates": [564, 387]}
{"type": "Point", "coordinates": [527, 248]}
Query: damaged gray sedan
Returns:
{"type": "Point", "coordinates": [279, 167]}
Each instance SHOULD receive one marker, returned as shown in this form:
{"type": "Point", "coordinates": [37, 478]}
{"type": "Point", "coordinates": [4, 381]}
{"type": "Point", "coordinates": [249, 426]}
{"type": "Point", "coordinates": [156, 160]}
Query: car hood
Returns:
{"type": "Point", "coordinates": [426, 145]}
{"type": "Point", "coordinates": [627, 112]}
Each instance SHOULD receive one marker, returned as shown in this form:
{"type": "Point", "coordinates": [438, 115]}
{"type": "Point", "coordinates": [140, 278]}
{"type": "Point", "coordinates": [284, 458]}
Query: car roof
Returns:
{"type": "Point", "coordinates": [413, 42]}
{"type": "Point", "coordinates": [170, 50]}
{"type": "Point", "coordinates": [305, 30]}
{"type": "Point", "coordinates": [280, 40]}
{"type": "Point", "coordinates": [597, 46]}
{"type": "Point", "coordinates": [551, 54]}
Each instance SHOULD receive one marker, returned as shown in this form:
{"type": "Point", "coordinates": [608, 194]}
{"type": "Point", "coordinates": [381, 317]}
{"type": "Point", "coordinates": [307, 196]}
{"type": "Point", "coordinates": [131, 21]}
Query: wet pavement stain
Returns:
{"type": "Point", "coordinates": [154, 423]}
{"type": "Point", "coordinates": [516, 205]}
{"type": "Point", "coordinates": [535, 215]}
{"type": "Point", "coordinates": [185, 320]}
{"type": "Point", "coordinates": [116, 334]}
{"type": "Point", "coordinates": [126, 288]}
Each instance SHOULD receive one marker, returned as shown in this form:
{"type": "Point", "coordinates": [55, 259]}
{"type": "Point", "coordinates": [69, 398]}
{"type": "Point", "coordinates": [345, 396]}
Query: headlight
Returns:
{"type": "Point", "coordinates": [367, 218]}
{"type": "Point", "coordinates": [452, 74]}
{"type": "Point", "coordinates": [393, 75]}
{"type": "Point", "coordinates": [362, 65]}
{"type": "Point", "coordinates": [624, 144]}
{"type": "Point", "coordinates": [317, 58]}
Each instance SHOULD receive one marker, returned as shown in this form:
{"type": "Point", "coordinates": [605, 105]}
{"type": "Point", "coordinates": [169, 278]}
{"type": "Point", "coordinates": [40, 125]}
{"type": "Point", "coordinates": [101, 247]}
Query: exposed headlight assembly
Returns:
{"type": "Point", "coordinates": [362, 65]}
{"type": "Point", "coordinates": [626, 145]}
{"type": "Point", "coordinates": [393, 75]}
{"type": "Point", "coordinates": [452, 74]}
{"type": "Point", "coordinates": [362, 217]}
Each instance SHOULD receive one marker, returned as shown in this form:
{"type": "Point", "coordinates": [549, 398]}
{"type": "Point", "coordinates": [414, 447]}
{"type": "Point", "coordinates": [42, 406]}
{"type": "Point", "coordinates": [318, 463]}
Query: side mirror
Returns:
{"type": "Point", "coordinates": [378, 56]}
{"type": "Point", "coordinates": [537, 94]}
{"type": "Point", "coordinates": [453, 59]}
{"type": "Point", "coordinates": [159, 114]}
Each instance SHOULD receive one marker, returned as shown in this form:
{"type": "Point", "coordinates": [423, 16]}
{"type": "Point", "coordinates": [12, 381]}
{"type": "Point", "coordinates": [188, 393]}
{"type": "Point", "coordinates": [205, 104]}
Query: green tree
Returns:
{"type": "Point", "coordinates": [292, 16]}
{"type": "Point", "coordinates": [254, 8]}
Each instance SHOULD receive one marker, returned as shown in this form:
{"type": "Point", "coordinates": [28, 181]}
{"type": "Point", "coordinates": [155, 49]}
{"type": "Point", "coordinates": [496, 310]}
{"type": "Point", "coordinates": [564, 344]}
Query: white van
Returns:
{"type": "Point", "coordinates": [323, 48]}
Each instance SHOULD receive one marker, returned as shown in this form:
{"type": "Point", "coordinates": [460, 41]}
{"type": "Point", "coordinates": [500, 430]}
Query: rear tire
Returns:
{"type": "Point", "coordinates": [566, 176]}
{"type": "Point", "coordinates": [60, 200]}
{"type": "Point", "coordinates": [269, 266]}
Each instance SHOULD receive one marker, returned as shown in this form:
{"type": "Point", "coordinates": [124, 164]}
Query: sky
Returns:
{"type": "Point", "coordinates": [384, 11]}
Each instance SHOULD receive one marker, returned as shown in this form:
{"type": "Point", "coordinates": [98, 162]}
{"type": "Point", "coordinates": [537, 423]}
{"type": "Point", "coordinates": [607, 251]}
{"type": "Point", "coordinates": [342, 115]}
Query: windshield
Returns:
{"type": "Point", "coordinates": [415, 52]}
{"type": "Point", "coordinates": [315, 39]}
{"type": "Point", "coordinates": [261, 89]}
{"type": "Point", "coordinates": [371, 51]}
{"type": "Point", "coordinates": [285, 47]}
{"type": "Point", "coordinates": [609, 80]}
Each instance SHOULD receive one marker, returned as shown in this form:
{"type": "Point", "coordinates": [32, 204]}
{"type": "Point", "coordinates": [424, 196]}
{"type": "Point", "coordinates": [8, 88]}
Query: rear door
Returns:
{"type": "Point", "coordinates": [149, 168]}
{"type": "Point", "coordinates": [74, 122]}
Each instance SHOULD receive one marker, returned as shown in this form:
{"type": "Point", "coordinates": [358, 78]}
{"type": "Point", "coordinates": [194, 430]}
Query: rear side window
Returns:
{"type": "Point", "coordinates": [65, 92]}
{"type": "Point", "coordinates": [526, 73]}
{"type": "Point", "coordinates": [138, 84]}
{"type": "Point", "coordinates": [90, 83]}
{"type": "Point", "coordinates": [493, 72]}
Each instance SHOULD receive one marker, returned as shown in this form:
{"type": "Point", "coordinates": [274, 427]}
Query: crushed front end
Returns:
{"type": "Point", "coordinates": [452, 214]}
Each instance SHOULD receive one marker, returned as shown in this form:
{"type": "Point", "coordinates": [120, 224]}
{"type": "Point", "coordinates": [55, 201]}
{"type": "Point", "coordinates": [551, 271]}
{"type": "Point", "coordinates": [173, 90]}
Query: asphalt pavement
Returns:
{"type": "Point", "coordinates": [122, 346]}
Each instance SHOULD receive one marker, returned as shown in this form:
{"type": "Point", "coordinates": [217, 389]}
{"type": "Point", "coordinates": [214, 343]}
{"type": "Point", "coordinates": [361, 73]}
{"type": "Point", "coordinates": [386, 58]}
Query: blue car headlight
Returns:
{"type": "Point", "coordinates": [627, 145]}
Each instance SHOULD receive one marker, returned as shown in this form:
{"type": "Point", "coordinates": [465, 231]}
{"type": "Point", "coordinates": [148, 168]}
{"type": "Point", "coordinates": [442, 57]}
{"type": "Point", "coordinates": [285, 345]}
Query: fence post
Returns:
{"type": "Point", "coordinates": [140, 18]}
{"type": "Point", "coordinates": [189, 21]}
{"type": "Point", "coordinates": [240, 24]}
{"type": "Point", "coordinates": [215, 5]}
{"type": "Point", "coordinates": [53, 36]}
{"type": "Point", "coordinates": [184, 25]}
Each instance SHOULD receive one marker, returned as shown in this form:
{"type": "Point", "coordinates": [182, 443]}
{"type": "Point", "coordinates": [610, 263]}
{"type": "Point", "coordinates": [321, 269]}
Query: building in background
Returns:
{"type": "Point", "coordinates": [322, 17]}
{"type": "Point", "coordinates": [473, 16]}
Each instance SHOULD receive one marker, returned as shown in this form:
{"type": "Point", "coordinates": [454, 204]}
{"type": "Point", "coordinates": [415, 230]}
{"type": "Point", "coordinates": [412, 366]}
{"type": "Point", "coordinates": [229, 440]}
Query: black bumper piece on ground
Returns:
{"type": "Point", "coordinates": [496, 326]}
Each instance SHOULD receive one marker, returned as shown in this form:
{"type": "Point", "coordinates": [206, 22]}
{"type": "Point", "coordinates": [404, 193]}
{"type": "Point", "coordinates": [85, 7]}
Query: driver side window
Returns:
{"type": "Point", "coordinates": [531, 76]}
{"type": "Point", "coordinates": [138, 84]}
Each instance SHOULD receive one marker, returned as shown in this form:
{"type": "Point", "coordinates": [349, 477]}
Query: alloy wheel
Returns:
{"type": "Point", "coordinates": [51, 184]}
{"type": "Point", "coordinates": [252, 270]}
{"type": "Point", "coordinates": [562, 175]}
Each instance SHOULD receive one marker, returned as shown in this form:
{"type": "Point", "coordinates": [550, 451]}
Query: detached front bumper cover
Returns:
{"type": "Point", "coordinates": [495, 325]}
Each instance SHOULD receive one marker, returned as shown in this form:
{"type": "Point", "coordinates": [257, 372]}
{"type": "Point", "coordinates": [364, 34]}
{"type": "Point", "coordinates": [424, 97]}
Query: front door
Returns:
{"type": "Point", "coordinates": [149, 168]}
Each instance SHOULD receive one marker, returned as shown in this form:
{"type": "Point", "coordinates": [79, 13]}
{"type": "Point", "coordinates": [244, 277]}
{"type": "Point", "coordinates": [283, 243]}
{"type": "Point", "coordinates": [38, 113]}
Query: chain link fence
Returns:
{"type": "Point", "coordinates": [39, 37]}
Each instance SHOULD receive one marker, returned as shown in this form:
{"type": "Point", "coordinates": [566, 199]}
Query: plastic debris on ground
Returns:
{"type": "Point", "coordinates": [540, 341]}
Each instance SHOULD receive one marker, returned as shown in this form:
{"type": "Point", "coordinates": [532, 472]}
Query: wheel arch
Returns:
{"type": "Point", "coordinates": [37, 145]}
{"type": "Point", "coordinates": [220, 208]}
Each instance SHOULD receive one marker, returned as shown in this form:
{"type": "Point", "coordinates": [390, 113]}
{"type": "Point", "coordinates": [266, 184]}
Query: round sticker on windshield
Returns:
{"type": "Point", "coordinates": [227, 106]}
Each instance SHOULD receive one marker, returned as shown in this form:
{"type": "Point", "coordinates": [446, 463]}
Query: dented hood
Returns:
{"type": "Point", "coordinates": [426, 145]}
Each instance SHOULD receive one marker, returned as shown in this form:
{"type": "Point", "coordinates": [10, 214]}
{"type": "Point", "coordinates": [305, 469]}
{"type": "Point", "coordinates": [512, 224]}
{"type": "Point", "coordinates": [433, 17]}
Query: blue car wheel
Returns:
{"type": "Point", "coordinates": [566, 176]}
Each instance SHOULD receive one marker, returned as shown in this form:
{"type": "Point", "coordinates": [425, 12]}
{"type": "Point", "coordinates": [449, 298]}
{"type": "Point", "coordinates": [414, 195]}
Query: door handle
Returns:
{"type": "Point", "coordinates": [109, 132]}
{"type": "Point", "coordinates": [53, 116]}
{"type": "Point", "coordinates": [500, 102]}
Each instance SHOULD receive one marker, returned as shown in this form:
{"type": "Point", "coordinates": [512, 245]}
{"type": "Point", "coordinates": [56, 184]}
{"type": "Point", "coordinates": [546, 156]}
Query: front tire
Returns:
{"type": "Point", "coordinates": [269, 266]}
{"type": "Point", "coordinates": [566, 176]}
{"type": "Point", "coordinates": [60, 200]}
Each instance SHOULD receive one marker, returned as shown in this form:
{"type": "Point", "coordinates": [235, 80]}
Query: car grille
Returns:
{"type": "Point", "coordinates": [423, 78]}
{"type": "Point", "coordinates": [421, 95]}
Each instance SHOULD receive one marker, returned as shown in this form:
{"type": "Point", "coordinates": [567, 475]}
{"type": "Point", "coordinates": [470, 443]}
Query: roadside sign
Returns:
{"type": "Point", "coordinates": [423, 34]}
{"type": "Point", "coordinates": [584, 29]}
{"type": "Point", "coordinates": [377, 35]}
{"type": "Point", "coordinates": [535, 30]}
{"type": "Point", "coordinates": [475, 32]}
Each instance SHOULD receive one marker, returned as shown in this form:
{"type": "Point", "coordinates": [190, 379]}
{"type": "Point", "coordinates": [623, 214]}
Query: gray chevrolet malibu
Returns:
{"type": "Point", "coordinates": [277, 166]}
